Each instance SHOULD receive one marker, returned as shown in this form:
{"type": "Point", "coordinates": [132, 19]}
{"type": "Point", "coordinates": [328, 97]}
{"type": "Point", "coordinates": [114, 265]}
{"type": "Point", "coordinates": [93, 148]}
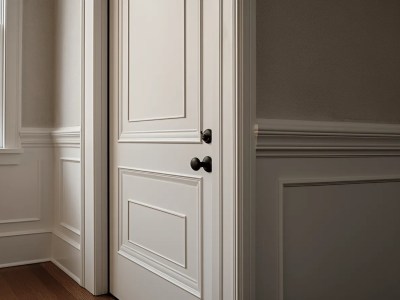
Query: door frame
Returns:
{"type": "Point", "coordinates": [94, 148]}
{"type": "Point", "coordinates": [237, 157]}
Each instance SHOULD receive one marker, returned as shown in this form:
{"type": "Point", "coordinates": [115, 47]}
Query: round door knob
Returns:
{"type": "Point", "coordinates": [195, 163]}
{"type": "Point", "coordinates": [206, 164]}
{"type": "Point", "coordinates": [206, 136]}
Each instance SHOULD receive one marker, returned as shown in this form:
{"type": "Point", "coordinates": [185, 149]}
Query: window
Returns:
{"type": "Point", "coordinates": [10, 82]}
{"type": "Point", "coordinates": [1, 71]}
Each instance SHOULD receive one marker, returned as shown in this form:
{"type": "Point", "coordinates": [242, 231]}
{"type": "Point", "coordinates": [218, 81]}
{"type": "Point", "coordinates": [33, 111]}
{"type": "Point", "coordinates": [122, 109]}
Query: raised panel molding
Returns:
{"type": "Point", "coordinates": [293, 138]}
{"type": "Point", "coordinates": [174, 250]}
{"type": "Point", "coordinates": [181, 219]}
{"type": "Point", "coordinates": [159, 39]}
{"type": "Point", "coordinates": [176, 120]}
{"type": "Point", "coordinates": [310, 182]}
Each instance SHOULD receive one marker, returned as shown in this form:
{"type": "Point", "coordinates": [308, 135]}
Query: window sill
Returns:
{"type": "Point", "coordinates": [10, 156]}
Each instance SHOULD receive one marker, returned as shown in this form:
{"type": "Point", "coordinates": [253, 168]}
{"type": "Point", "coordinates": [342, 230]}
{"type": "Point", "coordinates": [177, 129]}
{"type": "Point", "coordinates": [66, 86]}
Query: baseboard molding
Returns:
{"type": "Point", "coordinates": [23, 263]}
{"type": "Point", "coordinates": [67, 239]}
{"type": "Point", "coordinates": [25, 232]}
{"type": "Point", "coordinates": [67, 257]}
{"type": "Point", "coordinates": [21, 248]}
{"type": "Point", "coordinates": [293, 138]}
{"type": "Point", "coordinates": [51, 137]}
{"type": "Point", "coordinates": [66, 271]}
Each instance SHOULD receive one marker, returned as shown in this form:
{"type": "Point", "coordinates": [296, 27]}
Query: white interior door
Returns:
{"type": "Point", "coordinates": [165, 216]}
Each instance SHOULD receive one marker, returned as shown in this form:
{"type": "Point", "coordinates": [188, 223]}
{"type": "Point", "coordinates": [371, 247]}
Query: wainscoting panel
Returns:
{"type": "Point", "coordinates": [70, 194]}
{"type": "Point", "coordinates": [21, 248]}
{"type": "Point", "coordinates": [66, 248]}
{"type": "Point", "coordinates": [26, 207]}
{"type": "Point", "coordinates": [326, 210]}
{"type": "Point", "coordinates": [21, 195]}
{"type": "Point", "coordinates": [41, 205]}
{"type": "Point", "coordinates": [67, 256]}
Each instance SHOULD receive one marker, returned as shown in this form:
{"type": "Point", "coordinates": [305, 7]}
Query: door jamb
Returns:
{"type": "Point", "coordinates": [94, 148]}
{"type": "Point", "coordinates": [239, 101]}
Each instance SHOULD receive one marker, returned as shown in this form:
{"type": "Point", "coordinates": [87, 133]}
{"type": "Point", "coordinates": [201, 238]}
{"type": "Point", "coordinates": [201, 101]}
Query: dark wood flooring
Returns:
{"type": "Point", "coordinates": [40, 282]}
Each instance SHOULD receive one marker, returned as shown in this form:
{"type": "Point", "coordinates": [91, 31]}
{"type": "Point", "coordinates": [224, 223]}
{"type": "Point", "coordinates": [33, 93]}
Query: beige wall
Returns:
{"type": "Point", "coordinates": [68, 63]}
{"type": "Point", "coordinates": [38, 63]}
{"type": "Point", "coordinates": [329, 60]}
{"type": "Point", "coordinates": [51, 63]}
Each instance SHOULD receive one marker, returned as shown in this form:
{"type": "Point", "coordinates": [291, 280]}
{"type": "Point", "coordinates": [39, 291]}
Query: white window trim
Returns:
{"type": "Point", "coordinates": [12, 81]}
{"type": "Point", "coordinates": [1, 69]}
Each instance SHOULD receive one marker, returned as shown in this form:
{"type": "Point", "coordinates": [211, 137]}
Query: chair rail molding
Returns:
{"type": "Point", "coordinates": [294, 138]}
{"type": "Point", "coordinates": [67, 137]}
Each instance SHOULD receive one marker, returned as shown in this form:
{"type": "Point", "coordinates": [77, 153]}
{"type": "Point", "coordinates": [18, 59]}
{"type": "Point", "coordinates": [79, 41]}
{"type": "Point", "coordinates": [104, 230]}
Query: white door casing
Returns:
{"type": "Point", "coordinates": [166, 220]}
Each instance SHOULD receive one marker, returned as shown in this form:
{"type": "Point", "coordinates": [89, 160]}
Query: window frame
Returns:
{"type": "Point", "coordinates": [11, 81]}
{"type": "Point", "coordinates": [11, 95]}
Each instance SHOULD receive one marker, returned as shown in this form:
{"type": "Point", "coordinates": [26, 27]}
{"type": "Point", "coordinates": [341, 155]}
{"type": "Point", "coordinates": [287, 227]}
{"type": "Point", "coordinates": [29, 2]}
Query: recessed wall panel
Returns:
{"type": "Point", "coordinates": [70, 195]}
{"type": "Point", "coordinates": [340, 241]}
{"type": "Point", "coordinates": [20, 193]}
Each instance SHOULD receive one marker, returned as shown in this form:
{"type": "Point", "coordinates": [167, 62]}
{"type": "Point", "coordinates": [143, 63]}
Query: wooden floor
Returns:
{"type": "Point", "coordinates": [40, 281]}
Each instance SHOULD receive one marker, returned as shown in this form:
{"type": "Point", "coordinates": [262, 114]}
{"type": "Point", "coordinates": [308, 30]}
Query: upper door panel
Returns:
{"type": "Point", "coordinates": [162, 51]}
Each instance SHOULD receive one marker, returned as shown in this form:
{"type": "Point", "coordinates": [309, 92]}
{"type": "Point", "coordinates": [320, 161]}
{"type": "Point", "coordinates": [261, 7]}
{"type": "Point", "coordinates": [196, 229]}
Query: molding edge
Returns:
{"type": "Point", "coordinates": [293, 138]}
{"type": "Point", "coordinates": [69, 137]}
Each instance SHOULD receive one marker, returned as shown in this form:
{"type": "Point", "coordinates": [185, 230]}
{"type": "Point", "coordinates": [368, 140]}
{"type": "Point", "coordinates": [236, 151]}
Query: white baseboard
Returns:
{"type": "Point", "coordinates": [67, 257]}
{"type": "Point", "coordinates": [25, 248]}
{"type": "Point", "coordinates": [66, 271]}
{"type": "Point", "coordinates": [23, 263]}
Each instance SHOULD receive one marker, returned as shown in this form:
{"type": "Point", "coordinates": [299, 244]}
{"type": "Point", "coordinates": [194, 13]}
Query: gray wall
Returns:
{"type": "Point", "coordinates": [329, 60]}
{"type": "Point", "coordinates": [38, 63]}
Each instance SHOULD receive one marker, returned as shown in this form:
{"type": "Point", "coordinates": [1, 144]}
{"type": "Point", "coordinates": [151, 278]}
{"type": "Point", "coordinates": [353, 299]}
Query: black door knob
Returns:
{"type": "Point", "coordinates": [206, 136]}
{"type": "Point", "coordinates": [206, 164]}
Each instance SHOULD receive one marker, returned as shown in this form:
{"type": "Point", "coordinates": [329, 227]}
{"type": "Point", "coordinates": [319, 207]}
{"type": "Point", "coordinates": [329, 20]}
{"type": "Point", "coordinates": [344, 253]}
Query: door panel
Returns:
{"type": "Point", "coordinates": [162, 64]}
{"type": "Point", "coordinates": [160, 225]}
{"type": "Point", "coordinates": [165, 84]}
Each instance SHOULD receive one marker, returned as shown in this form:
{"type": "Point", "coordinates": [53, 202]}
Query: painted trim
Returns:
{"type": "Point", "coordinates": [293, 138]}
{"type": "Point", "coordinates": [94, 147]}
{"type": "Point", "coordinates": [26, 262]}
{"type": "Point", "coordinates": [65, 270]}
{"type": "Point", "coordinates": [245, 147]}
{"type": "Point", "coordinates": [9, 157]}
{"type": "Point", "coordinates": [65, 137]}
{"type": "Point", "coordinates": [67, 239]}
{"type": "Point", "coordinates": [25, 232]}
{"type": "Point", "coordinates": [13, 74]}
